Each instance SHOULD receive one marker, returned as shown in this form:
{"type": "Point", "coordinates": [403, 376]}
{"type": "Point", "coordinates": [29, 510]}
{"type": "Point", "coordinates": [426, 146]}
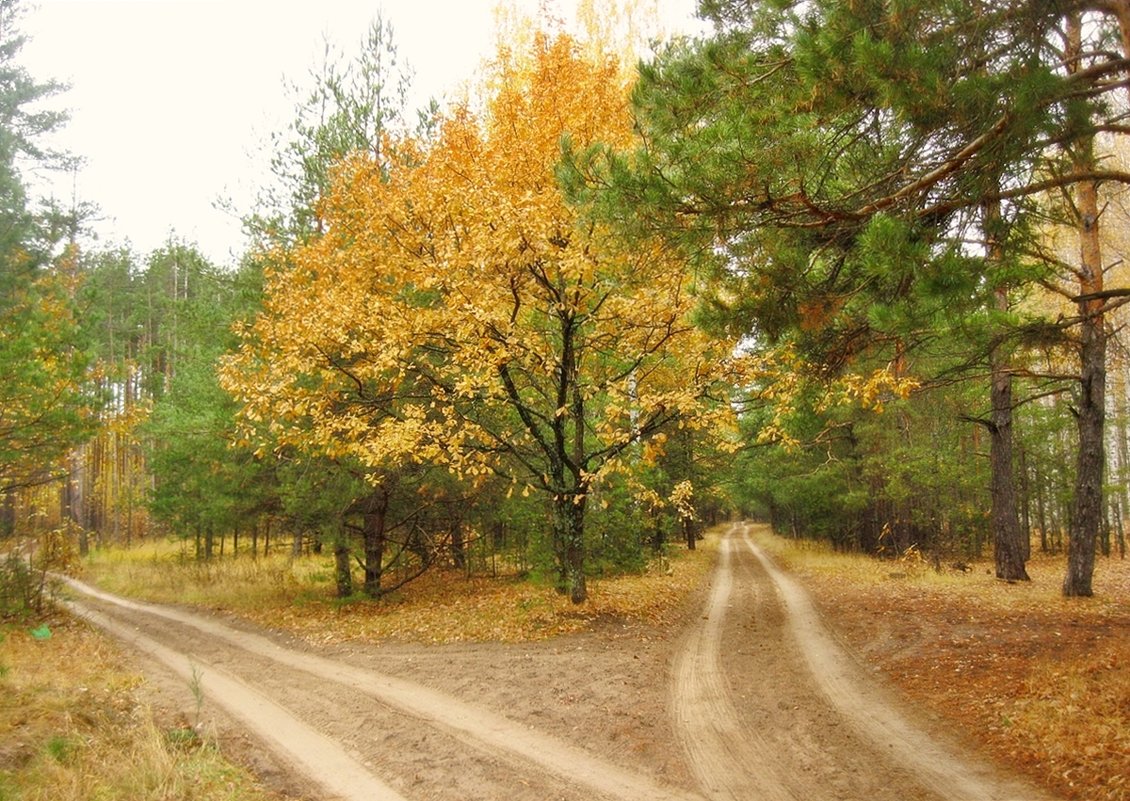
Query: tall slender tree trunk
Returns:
{"type": "Point", "coordinates": [1087, 508]}
{"type": "Point", "coordinates": [1008, 546]}
{"type": "Point", "coordinates": [1025, 503]}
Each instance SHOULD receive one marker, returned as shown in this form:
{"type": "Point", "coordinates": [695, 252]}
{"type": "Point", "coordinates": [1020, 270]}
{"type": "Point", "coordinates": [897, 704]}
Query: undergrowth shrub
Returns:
{"type": "Point", "coordinates": [22, 588]}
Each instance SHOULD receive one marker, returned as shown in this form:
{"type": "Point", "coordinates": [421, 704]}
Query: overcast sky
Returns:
{"type": "Point", "coordinates": [172, 101]}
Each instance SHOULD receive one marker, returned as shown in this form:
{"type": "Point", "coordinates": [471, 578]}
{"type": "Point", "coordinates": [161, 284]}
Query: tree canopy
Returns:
{"type": "Point", "coordinates": [457, 311]}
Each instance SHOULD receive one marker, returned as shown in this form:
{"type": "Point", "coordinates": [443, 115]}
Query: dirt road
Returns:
{"type": "Point", "coordinates": [754, 701]}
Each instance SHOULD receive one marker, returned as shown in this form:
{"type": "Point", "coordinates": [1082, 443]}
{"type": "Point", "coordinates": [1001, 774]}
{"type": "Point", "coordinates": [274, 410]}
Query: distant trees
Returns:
{"type": "Point", "coordinates": [45, 402]}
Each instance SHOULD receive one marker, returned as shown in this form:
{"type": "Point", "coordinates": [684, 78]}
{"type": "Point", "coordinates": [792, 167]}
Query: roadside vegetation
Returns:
{"type": "Point", "coordinates": [75, 725]}
{"type": "Point", "coordinates": [1040, 681]}
{"type": "Point", "coordinates": [298, 594]}
{"type": "Point", "coordinates": [857, 269]}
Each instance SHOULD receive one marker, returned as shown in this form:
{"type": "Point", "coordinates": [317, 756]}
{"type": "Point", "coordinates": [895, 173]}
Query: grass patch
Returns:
{"type": "Point", "coordinates": [163, 572]}
{"type": "Point", "coordinates": [72, 728]}
{"type": "Point", "coordinates": [1042, 681]}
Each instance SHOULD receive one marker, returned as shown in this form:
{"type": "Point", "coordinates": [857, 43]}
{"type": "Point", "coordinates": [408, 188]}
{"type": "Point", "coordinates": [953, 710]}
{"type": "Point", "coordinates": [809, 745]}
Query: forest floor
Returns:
{"type": "Point", "coordinates": [671, 685]}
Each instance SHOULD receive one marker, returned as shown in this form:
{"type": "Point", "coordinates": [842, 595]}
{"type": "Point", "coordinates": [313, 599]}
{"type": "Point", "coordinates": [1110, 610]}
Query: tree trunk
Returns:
{"type": "Point", "coordinates": [1042, 511]}
{"type": "Point", "coordinates": [458, 550]}
{"type": "Point", "coordinates": [1025, 504]}
{"type": "Point", "coordinates": [343, 575]}
{"type": "Point", "coordinates": [373, 535]}
{"type": "Point", "coordinates": [569, 531]}
{"type": "Point", "coordinates": [73, 500]}
{"type": "Point", "coordinates": [1008, 547]}
{"type": "Point", "coordinates": [8, 514]}
{"type": "Point", "coordinates": [1087, 508]}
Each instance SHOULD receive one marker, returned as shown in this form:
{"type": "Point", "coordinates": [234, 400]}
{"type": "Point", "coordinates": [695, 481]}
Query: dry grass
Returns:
{"type": "Point", "coordinates": [1042, 681]}
{"type": "Point", "coordinates": [296, 594]}
{"type": "Point", "coordinates": [164, 572]}
{"type": "Point", "coordinates": [72, 728]}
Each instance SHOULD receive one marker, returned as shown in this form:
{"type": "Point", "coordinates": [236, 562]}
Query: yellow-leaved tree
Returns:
{"type": "Point", "coordinates": [457, 311]}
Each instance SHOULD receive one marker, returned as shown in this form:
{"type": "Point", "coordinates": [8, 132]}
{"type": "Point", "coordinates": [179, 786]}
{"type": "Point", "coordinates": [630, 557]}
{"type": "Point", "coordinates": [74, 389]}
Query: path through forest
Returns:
{"type": "Point", "coordinates": [761, 703]}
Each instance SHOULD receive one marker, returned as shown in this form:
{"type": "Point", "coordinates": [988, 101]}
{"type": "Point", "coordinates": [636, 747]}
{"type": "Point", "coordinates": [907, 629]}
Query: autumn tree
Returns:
{"type": "Point", "coordinates": [458, 312]}
{"type": "Point", "coordinates": [354, 104]}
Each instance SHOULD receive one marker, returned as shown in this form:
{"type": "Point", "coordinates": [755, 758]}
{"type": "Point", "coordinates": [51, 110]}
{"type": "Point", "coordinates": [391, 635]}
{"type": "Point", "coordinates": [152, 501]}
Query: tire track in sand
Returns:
{"type": "Point", "coordinates": [728, 760]}
{"type": "Point", "coordinates": [952, 775]}
{"type": "Point", "coordinates": [318, 757]}
{"type": "Point", "coordinates": [784, 743]}
{"type": "Point", "coordinates": [473, 725]}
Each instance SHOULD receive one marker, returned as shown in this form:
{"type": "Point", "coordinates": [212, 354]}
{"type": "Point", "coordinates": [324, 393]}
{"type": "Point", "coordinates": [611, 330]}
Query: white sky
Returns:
{"type": "Point", "coordinates": [172, 101]}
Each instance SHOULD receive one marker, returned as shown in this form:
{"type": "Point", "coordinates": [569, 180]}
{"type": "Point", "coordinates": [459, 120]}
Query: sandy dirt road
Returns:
{"type": "Point", "coordinates": [753, 700]}
{"type": "Point", "coordinates": [771, 707]}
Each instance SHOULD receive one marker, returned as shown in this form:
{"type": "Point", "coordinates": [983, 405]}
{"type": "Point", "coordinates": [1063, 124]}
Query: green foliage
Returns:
{"type": "Point", "coordinates": [203, 479]}
{"type": "Point", "coordinates": [22, 588]}
{"type": "Point", "coordinates": [858, 185]}
{"type": "Point", "coordinates": [911, 476]}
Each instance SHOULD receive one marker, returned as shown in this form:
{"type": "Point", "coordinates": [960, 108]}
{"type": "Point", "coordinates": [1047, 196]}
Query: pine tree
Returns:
{"type": "Point", "coordinates": [865, 179]}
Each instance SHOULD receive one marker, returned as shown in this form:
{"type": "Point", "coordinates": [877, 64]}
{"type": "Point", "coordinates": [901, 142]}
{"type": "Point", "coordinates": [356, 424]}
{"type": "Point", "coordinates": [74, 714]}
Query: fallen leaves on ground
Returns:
{"type": "Point", "coordinates": [446, 606]}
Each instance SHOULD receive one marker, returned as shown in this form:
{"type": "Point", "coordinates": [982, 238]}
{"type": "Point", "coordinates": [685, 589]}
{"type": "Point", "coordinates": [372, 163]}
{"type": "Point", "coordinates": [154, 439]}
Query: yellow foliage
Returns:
{"type": "Point", "coordinates": [458, 306]}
